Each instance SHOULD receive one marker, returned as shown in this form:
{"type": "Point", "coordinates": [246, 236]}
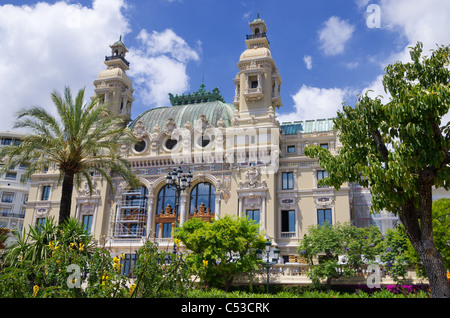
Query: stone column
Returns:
{"type": "Point", "coordinates": [217, 206]}
{"type": "Point", "coordinates": [240, 206]}
{"type": "Point", "coordinates": [183, 212]}
{"type": "Point", "coordinates": [150, 216]}
{"type": "Point", "coordinates": [262, 226]}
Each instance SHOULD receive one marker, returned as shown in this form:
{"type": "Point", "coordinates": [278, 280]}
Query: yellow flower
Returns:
{"type": "Point", "coordinates": [122, 256]}
{"type": "Point", "coordinates": [81, 247]}
{"type": "Point", "coordinates": [205, 263]}
{"type": "Point", "coordinates": [448, 275]}
{"type": "Point", "coordinates": [177, 242]}
{"type": "Point", "coordinates": [132, 288]}
{"type": "Point", "coordinates": [35, 290]}
{"type": "Point", "coordinates": [104, 279]}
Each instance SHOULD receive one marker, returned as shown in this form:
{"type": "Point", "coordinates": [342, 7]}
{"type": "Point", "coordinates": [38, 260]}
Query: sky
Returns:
{"type": "Point", "coordinates": [327, 52]}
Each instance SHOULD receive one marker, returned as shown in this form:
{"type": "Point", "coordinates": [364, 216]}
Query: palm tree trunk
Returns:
{"type": "Point", "coordinates": [66, 197]}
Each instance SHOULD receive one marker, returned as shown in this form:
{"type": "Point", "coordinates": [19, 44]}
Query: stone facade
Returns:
{"type": "Point", "coordinates": [243, 162]}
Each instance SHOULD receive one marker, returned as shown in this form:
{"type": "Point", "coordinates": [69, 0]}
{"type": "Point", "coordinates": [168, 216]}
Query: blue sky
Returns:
{"type": "Point", "coordinates": [326, 51]}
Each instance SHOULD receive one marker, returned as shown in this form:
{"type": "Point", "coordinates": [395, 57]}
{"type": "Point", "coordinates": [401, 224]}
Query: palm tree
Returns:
{"type": "Point", "coordinates": [81, 139]}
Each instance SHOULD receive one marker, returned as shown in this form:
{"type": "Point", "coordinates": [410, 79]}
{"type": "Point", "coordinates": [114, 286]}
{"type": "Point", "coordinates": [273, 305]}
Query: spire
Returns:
{"type": "Point", "coordinates": [117, 57]}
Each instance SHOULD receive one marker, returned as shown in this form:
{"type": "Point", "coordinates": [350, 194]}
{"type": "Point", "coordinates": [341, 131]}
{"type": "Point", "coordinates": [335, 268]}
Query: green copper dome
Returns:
{"type": "Point", "coordinates": [189, 108]}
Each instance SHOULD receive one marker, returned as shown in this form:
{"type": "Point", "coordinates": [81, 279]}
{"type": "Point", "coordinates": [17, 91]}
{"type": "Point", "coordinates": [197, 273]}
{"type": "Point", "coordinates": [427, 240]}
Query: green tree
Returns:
{"type": "Point", "coordinates": [400, 150]}
{"type": "Point", "coordinates": [81, 139]}
{"type": "Point", "coordinates": [441, 226]}
{"type": "Point", "coordinates": [160, 273]}
{"type": "Point", "coordinates": [221, 249]}
{"type": "Point", "coordinates": [397, 254]}
{"type": "Point", "coordinates": [323, 245]}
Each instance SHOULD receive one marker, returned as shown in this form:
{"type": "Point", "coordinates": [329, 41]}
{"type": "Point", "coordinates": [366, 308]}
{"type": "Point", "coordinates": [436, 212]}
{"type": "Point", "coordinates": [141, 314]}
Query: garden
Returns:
{"type": "Point", "coordinates": [63, 261]}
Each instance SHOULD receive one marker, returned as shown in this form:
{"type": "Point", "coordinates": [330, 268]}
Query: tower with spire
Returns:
{"type": "Point", "coordinates": [258, 83]}
{"type": "Point", "coordinates": [113, 86]}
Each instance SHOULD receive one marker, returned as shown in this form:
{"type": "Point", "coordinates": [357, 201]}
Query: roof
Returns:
{"type": "Point", "coordinates": [307, 126]}
{"type": "Point", "coordinates": [188, 108]}
{"type": "Point", "coordinates": [181, 114]}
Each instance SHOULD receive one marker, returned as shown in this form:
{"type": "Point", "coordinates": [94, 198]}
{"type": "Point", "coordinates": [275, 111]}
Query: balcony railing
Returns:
{"type": "Point", "coordinates": [256, 36]}
{"type": "Point", "coordinates": [116, 57]}
{"type": "Point", "coordinates": [294, 273]}
{"type": "Point", "coordinates": [12, 215]}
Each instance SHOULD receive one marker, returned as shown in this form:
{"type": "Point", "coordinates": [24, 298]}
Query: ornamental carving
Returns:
{"type": "Point", "coordinates": [170, 126]}
{"type": "Point", "coordinates": [139, 130]}
{"type": "Point", "coordinates": [324, 201]}
{"type": "Point", "coordinates": [252, 176]}
{"type": "Point", "coordinates": [85, 191]}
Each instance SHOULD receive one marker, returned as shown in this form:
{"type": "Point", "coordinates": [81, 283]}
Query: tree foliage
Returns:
{"type": "Point", "coordinates": [400, 150]}
{"type": "Point", "coordinates": [338, 250]}
{"type": "Point", "coordinates": [221, 249]}
{"type": "Point", "coordinates": [81, 139]}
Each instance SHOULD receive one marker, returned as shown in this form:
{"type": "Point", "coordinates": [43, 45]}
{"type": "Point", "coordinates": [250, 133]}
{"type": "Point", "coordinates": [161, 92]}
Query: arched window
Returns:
{"type": "Point", "coordinates": [132, 215]}
{"type": "Point", "coordinates": [202, 195]}
{"type": "Point", "coordinates": [165, 218]}
{"type": "Point", "coordinates": [166, 196]}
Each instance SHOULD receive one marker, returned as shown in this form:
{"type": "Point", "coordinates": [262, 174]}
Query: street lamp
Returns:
{"type": "Point", "coordinates": [179, 182]}
{"type": "Point", "coordinates": [268, 264]}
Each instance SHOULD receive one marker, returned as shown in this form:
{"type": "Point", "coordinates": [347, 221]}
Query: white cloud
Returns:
{"type": "Point", "coordinates": [48, 46]}
{"type": "Point", "coordinates": [316, 103]}
{"type": "Point", "coordinates": [159, 66]}
{"type": "Point", "coordinates": [414, 20]}
{"type": "Point", "coordinates": [308, 61]}
{"type": "Point", "coordinates": [334, 35]}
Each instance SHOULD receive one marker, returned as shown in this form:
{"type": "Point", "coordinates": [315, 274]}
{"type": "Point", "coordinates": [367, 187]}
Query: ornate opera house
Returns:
{"type": "Point", "coordinates": [236, 159]}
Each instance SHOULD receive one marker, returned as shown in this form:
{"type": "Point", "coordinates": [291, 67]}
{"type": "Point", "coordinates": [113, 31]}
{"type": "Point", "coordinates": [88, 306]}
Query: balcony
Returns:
{"type": "Point", "coordinates": [253, 94]}
{"type": "Point", "coordinates": [117, 57]}
{"type": "Point", "coordinates": [9, 214]}
{"type": "Point", "coordinates": [256, 36]}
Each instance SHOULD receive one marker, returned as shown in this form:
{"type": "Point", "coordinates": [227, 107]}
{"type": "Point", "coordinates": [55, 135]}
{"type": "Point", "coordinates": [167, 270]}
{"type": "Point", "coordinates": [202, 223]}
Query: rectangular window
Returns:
{"type": "Point", "coordinates": [40, 222]}
{"type": "Point", "coordinates": [5, 211]}
{"type": "Point", "coordinates": [166, 229]}
{"type": "Point", "coordinates": [324, 217]}
{"type": "Point", "coordinates": [324, 146]}
{"type": "Point", "coordinates": [290, 149]}
{"type": "Point", "coordinates": [11, 175]}
{"type": "Point", "coordinates": [87, 222]}
{"type": "Point", "coordinates": [288, 221]}
{"type": "Point", "coordinates": [253, 215]}
{"type": "Point", "coordinates": [321, 174]}
{"type": "Point", "coordinates": [7, 197]}
{"type": "Point", "coordinates": [7, 141]}
{"type": "Point", "coordinates": [128, 264]}
{"type": "Point", "coordinates": [288, 181]}
{"type": "Point", "coordinates": [45, 193]}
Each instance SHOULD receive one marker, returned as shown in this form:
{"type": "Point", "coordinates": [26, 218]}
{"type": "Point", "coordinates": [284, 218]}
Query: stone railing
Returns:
{"type": "Point", "coordinates": [296, 273]}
